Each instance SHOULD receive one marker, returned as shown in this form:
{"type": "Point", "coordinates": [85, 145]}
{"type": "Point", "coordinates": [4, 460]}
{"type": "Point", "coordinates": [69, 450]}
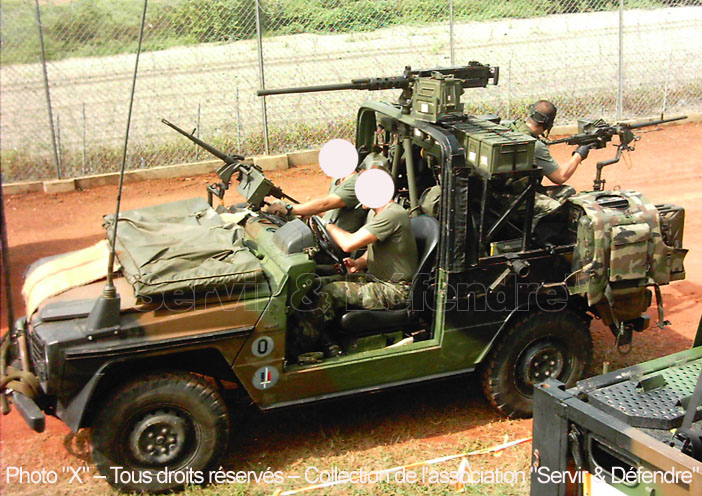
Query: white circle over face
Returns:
{"type": "Point", "coordinates": [338, 158]}
{"type": "Point", "coordinates": [374, 188]}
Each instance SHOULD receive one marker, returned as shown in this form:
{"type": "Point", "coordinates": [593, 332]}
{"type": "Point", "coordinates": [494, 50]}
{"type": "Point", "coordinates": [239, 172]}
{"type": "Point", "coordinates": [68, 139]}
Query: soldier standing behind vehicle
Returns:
{"type": "Point", "coordinates": [538, 123]}
{"type": "Point", "coordinates": [391, 261]}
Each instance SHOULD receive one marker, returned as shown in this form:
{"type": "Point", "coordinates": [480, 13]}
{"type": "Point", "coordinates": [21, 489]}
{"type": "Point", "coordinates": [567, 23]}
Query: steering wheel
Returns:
{"type": "Point", "coordinates": [327, 243]}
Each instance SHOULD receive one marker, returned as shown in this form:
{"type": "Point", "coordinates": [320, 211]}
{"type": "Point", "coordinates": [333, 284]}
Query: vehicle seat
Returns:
{"type": "Point", "coordinates": [365, 322]}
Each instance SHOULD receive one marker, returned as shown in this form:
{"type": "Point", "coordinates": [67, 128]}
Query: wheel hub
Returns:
{"type": "Point", "coordinates": [158, 438]}
{"type": "Point", "coordinates": [540, 363]}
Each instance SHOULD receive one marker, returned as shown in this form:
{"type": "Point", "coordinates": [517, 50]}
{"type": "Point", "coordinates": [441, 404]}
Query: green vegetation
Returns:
{"type": "Point", "coordinates": [82, 28]}
{"type": "Point", "coordinates": [34, 162]}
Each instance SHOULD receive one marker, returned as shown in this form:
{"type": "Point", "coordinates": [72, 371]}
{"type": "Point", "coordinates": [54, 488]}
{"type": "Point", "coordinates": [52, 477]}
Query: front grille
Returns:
{"type": "Point", "coordinates": [36, 350]}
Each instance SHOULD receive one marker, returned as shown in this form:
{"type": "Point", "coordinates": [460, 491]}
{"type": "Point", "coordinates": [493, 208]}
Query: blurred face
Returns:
{"type": "Point", "coordinates": [374, 188]}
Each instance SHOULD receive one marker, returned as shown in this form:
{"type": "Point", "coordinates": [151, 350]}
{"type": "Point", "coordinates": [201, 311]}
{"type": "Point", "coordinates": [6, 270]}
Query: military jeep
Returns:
{"type": "Point", "coordinates": [208, 295]}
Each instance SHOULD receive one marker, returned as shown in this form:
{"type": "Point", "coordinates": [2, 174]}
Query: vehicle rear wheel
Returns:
{"type": "Point", "coordinates": [160, 429]}
{"type": "Point", "coordinates": [540, 346]}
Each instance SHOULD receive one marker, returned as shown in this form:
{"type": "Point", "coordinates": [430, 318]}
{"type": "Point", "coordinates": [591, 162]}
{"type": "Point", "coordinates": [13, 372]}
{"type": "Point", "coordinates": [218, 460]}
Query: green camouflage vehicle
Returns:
{"type": "Point", "coordinates": [208, 295]}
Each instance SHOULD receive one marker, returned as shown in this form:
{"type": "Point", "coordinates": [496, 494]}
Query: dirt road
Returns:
{"type": "Point", "coordinates": [375, 432]}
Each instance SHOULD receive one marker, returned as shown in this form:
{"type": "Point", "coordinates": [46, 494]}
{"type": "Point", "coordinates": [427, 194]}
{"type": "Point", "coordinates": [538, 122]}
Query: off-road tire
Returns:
{"type": "Point", "coordinates": [540, 345]}
{"type": "Point", "coordinates": [181, 410]}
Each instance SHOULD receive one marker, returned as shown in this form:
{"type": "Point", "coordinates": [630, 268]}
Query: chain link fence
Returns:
{"type": "Point", "coordinates": [203, 60]}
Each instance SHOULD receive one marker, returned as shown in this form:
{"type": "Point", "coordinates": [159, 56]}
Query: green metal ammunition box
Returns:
{"type": "Point", "coordinates": [436, 96]}
{"type": "Point", "coordinates": [496, 149]}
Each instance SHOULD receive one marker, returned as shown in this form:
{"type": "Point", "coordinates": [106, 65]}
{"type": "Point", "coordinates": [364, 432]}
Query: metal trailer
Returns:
{"type": "Point", "coordinates": [634, 431]}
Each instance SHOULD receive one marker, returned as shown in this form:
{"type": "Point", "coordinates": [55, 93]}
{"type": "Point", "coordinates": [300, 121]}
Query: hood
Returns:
{"type": "Point", "coordinates": [181, 250]}
{"type": "Point", "coordinates": [55, 275]}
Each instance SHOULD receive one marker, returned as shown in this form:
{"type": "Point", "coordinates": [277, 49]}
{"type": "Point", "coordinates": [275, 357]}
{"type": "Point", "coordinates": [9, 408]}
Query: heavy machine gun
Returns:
{"type": "Point", "coordinates": [597, 133]}
{"type": "Point", "coordinates": [253, 185]}
{"type": "Point", "coordinates": [426, 93]}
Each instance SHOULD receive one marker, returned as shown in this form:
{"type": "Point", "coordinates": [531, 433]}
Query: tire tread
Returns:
{"type": "Point", "coordinates": [112, 409]}
{"type": "Point", "coordinates": [489, 376]}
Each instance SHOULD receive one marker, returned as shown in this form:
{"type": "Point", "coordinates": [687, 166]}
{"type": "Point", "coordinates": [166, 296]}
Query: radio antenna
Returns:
{"type": "Point", "coordinates": [105, 313]}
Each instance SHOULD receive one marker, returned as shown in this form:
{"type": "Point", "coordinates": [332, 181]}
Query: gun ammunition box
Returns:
{"type": "Point", "coordinates": [254, 186]}
{"type": "Point", "coordinates": [494, 148]}
{"type": "Point", "coordinates": [436, 96]}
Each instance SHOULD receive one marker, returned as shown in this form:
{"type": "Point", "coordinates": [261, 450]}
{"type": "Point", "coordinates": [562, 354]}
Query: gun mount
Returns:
{"type": "Point", "coordinates": [253, 185]}
{"type": "Point", "coordinates": [427, 94]}
{"type": "Point", "coordinates": [597, 133]}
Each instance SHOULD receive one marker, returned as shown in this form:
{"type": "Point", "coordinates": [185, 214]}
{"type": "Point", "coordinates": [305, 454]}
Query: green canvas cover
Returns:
{"type": "Point", "coordinates": [182, 246]}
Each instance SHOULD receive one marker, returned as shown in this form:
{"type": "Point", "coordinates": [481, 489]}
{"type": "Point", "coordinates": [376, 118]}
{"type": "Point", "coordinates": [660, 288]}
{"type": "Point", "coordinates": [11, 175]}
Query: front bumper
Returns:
{"type": "Point", "coordinates": [30, 411]}
{"type": "Point", "coordinates": [26, 406]}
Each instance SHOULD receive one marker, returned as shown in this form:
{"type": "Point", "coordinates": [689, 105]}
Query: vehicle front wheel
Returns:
{"type": "Point", "coordinates": [160, 432]}
{"type": "Point", "coordinates": [542, 345]}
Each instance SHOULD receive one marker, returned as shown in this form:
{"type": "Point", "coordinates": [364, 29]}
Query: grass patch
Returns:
{"type": "Point", "coordinates": [38, 163]}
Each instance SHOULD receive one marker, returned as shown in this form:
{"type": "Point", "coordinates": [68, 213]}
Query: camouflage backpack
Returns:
{"type": "Point", "coordinates": [619, 252]}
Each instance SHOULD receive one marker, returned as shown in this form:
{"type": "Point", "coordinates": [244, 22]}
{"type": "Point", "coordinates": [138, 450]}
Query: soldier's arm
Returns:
{"type": "Point", "coordinates": [351, 241]}
{"type": "Point", "coordinates": [318, 205]}
{"type": "Point", "coordinates": [563, 173]}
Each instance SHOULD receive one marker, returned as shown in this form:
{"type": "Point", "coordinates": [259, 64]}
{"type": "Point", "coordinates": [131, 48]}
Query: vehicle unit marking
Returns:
{"type": "Point", "coordinates": [262, 346]}
{"type": "Point", "coordinates": [265, 377]}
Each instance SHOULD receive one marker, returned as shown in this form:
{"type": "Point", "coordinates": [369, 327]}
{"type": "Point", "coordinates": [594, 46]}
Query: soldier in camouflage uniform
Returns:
{"type": "Point", "coordinates": [390, 260]}
{"type": "Point", "coordinates": [538, 123]}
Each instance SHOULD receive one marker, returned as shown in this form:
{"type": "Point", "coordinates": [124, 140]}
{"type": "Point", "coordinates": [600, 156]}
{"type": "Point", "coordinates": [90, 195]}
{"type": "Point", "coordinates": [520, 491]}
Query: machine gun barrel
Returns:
{"type": "Point", "coordinates": [370, 84]}
{"type": "Point", "coordinates": [225, 172]}
{"type": "Point", "coordinates": [654, 123]}
{"type": "Point", "coordinates": [229, 159]}
{"type": "Point", "coordinates": [473, 75]}
{"type": "Point", "coordinates": [599, 134]}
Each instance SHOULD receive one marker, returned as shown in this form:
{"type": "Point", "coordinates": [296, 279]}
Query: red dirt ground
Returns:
{"type": "Point", "coordinates": [666, 167]}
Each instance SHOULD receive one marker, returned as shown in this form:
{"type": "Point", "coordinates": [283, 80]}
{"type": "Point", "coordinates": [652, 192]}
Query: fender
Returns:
{"type": "Point", "coordinates": [208, 359]}
{"type": "Point", "coordinates": [536, 301]}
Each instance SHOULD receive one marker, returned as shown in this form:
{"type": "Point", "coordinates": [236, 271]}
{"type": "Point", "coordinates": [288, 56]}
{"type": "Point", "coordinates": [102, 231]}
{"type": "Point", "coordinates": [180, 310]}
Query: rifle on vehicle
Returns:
{"type": "Point", "coordinates": [597, 133]}
{"type": "Point", "coordinates": [232, 164]}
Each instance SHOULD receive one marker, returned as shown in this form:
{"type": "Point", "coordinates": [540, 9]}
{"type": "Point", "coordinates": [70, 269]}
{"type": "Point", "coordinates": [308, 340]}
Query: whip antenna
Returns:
{"type": "Point", "coordinates": [105, 313]}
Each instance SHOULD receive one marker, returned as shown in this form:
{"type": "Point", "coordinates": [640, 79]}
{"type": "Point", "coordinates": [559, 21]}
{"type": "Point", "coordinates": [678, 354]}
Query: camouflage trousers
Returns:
{"type": "Point", "coordinates": [544, 204]}
{"type": "Point", "coordinates": [339, 293]}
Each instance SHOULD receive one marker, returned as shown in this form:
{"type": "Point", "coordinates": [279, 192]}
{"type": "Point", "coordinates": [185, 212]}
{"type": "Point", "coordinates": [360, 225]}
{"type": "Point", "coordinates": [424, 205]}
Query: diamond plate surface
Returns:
{"type": "Point", "coordinates": [653, 401]}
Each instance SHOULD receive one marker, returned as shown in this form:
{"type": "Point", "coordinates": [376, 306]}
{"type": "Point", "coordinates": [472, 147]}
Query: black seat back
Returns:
{"type": "Point", "coordinates": [365, 322]}
{"type": "Point", "coordinates": [426, 235]}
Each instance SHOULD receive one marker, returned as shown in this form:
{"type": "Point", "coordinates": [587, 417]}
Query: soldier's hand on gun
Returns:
{"type": "Point", "coordinates": [277, 207]}
{"type": "Point", "coordinates": [583, 151]}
